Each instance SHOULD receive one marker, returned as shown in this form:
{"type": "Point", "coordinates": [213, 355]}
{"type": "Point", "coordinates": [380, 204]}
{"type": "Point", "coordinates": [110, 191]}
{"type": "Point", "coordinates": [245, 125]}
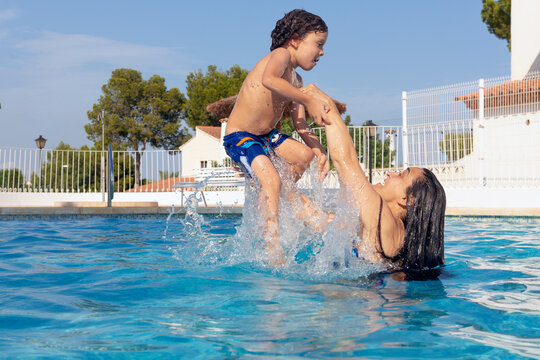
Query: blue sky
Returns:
{"type": "Point", "coordinates": [56, 55]}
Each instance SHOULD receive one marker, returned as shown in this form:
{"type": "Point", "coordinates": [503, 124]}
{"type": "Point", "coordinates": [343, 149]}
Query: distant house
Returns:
{"type": "Point", "coordinates": [482, 138]}
{"type": "Point", "coordinates": [506, 120]}
{"type": "Point", "coordinates": [203, 150]}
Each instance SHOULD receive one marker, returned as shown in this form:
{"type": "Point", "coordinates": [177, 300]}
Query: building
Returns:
{"type": "Point", "coordinates": [203, 150]}
{"type": "Point", "coordinates": [525, 29]}
{"type": "Point", "coordinates": [481, 137]}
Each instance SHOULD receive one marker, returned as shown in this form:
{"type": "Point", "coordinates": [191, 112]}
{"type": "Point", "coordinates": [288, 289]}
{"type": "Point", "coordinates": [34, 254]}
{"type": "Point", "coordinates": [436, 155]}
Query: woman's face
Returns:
{"type": "Point", "coordinates": [396, 183]}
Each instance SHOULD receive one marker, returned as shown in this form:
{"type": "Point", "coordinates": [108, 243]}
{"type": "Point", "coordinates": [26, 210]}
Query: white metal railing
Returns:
{"type": "Point", "coordinates": [473, 134]}
{"type": "Point", "coordinates": [480, 133]}
{"type": "Point", "coordinates": [330, 182]}
{"type": "Point", "coordinates": [379, 151]}
{"type": "Point", "coordinates": [221, 178]}
{"type": "Point", "coordinates": [214, 178]}
{"type": "Point", "coordinates": [83, 171]}
{"type": "Point", "coordinates": [158, 170]}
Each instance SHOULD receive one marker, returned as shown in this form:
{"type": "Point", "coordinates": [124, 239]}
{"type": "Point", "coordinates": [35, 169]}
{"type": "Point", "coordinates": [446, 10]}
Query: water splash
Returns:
{"type": "Point", "coordinates": [310, 253]}
{"type": "Point", "coordinates": [184, 231]}
{"type": "Point", "coordinates": [171, 214]}
{"type": "Point", "coordinates": [220, 207]}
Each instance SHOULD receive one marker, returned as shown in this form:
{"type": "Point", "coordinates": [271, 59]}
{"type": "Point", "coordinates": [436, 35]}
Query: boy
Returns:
{"type": "Point", "coordinates": [297, 41]}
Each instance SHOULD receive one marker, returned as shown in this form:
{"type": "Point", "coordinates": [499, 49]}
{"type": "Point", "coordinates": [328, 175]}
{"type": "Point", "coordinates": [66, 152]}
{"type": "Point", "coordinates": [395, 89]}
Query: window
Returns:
{"type": "Point", "coordinates": [204, 164]}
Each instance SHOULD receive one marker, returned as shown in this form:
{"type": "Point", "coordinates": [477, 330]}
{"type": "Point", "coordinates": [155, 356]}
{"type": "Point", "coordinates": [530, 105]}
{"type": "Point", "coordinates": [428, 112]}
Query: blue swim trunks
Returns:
{"type": "Point", "coordinates": [243, 147]}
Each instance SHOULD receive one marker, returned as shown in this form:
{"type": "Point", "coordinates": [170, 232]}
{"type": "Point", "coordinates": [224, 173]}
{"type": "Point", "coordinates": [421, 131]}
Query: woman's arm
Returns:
{"type": "Point", "coordinates": [340, 146]}
{"type": "Point", "coordinates": [343, 154]}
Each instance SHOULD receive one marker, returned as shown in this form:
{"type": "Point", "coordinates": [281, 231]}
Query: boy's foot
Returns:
{"type": "Point", "coordinates": [311, 215]}
{"type": "Point", "coordinates": [319, 221]}
{"type": "Point", "coordinates": [275, 256]}
{"type": "Point", "coordinates": [274, 251]}
{"type": "Point", "coordinates": [326, 218]}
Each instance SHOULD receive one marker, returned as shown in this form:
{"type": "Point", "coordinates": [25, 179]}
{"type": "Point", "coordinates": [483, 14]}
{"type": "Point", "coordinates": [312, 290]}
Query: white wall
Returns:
{"type": "Point", "coordinates": [511, 147]}
{"type": "Point", "coordinates": [226, 198]}
{"type": "Point", "coordinates": [525, 29]}
{"type": "Point", "coordinates": [492, 198]}
{"type": "Point", "coordinates": [201, 147]}
{"type": "Point", "coordinates": [465, 197]}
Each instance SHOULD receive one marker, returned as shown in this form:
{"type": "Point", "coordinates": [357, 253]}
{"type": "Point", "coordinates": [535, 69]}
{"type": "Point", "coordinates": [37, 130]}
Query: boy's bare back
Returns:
{"type": "Point", "coordinates": [257, 108]}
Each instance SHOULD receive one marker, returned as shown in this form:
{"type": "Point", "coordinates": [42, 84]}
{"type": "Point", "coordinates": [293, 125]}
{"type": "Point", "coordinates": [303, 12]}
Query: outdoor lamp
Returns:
{"type": "Point", "coordinates": [40, 142]}
{"type": "Point", "coordinates": [372, 128]}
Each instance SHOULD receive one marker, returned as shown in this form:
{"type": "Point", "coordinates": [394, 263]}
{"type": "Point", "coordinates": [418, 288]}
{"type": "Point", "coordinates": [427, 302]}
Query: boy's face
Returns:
{"type": "Point", "coordinates": [310, 49]}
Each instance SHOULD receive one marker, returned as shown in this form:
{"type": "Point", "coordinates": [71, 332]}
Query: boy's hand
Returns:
{"type": "Point", "coordinates": [323, 165]}
{"type": "Point", "coordinates": [319, 106]}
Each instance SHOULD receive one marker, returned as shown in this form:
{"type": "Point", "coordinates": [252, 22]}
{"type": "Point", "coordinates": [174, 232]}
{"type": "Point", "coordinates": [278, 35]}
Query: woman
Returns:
{"type": "Point", "coordinates": [402, 219]}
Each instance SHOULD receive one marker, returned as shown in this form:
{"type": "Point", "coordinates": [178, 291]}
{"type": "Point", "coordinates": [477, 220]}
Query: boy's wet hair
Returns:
{"type": "Point", "coordinates": [296, 22]}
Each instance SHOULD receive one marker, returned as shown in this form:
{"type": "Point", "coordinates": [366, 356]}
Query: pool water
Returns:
{"type": "Point", "coordinates": [145, 287]}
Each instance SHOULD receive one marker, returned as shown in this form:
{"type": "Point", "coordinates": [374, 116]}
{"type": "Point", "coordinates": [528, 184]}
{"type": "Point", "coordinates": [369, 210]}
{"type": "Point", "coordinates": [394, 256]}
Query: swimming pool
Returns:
{"type": "Point", "coordinates": [122, 287]}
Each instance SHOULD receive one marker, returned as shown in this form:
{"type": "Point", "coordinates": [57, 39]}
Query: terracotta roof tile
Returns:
{"type": "Point", "coordinates": [508, 93]}
{"type": "Point", "coordinates": [162, 185]}
{"type": "Point", "coordinates": [214, 131]}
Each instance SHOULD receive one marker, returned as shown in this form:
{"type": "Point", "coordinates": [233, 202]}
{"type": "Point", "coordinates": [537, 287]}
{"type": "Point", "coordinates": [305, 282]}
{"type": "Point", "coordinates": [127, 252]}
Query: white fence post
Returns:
{"type": "Point", "coordinates": [481, 125]}
{"type": "Point", "coordinates": [405, 142]}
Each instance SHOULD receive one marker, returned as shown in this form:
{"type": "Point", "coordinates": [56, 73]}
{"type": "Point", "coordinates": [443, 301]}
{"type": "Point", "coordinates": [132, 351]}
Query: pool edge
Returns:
{"type": "Point", "coordinates": [117, 210]}
{"type": "Point", "coordinates": [128, 210]}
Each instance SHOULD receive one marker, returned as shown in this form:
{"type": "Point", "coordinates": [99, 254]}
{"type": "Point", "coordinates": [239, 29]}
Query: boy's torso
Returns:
{"type": "Point", "coordinates": [257, 109]}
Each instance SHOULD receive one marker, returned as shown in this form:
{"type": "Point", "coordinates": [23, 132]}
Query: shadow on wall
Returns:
{"type": "Point", "coordinates": [535, 67]}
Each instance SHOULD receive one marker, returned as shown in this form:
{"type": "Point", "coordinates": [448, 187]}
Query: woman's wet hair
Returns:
{"type": "Point", "coordinates": [423, 247]}
{"type": "Point", "coordinates": [296, 22]}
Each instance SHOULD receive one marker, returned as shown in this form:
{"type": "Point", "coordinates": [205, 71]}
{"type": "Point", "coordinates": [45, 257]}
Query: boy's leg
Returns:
{"type": "Point", "coordinates": [270, 182]}
{"type": "Point", "coordinates": [298, 156]}
{"type": "Point", "coordinates": [249, 151]}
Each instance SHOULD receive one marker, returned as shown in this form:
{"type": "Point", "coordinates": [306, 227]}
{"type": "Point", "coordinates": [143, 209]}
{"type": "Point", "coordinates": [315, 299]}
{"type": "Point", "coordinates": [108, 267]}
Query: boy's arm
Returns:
{"type": "Point", "coordinates": [298, 116]}
{"type": "Point", "coordinates": [272, 79]}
